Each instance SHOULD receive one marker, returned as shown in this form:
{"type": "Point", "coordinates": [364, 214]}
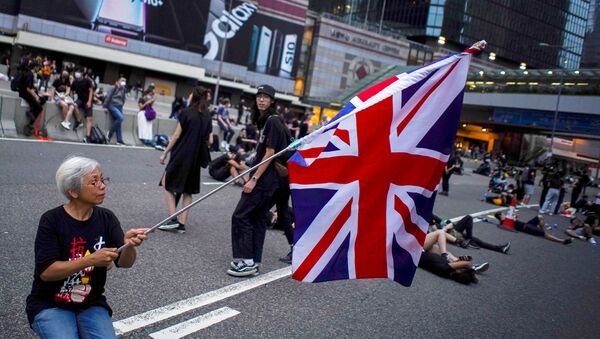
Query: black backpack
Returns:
{"type": "Point", "coordinates": [15, 83]}
{"type": "Point", "coordinates": [96, 136]}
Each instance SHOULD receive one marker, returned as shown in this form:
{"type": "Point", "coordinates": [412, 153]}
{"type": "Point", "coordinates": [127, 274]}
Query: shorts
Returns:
{"type": "Point", "coordinates": [529, 189]}
{"type": "Point", "coordinates": [88, 112]}
{"type": "Point", "coordinates": [580, 232]}
{"type": "Point", "coordinates": [533, 230]}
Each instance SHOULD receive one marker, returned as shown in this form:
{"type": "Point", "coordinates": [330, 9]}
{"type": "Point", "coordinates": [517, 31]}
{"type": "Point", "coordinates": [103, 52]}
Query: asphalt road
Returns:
{"type": "Point", "coordinates": [541, 289]}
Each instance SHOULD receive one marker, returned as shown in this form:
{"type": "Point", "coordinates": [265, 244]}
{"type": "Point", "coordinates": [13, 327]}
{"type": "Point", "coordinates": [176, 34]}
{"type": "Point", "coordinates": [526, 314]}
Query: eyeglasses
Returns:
{"type": "Point", "coordinates": [96, 182]}
{"type": "Point", "coordinates": [262, 97]}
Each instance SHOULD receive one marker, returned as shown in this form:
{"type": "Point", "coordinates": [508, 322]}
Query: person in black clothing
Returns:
{"type": "Point", "coordinates": [535, 226]}
{"type": "Point", "coordinates": [464, 228]}
{"type": "Point", "coordinates": [451, 165]}
{"type": "Point", "coordinates": [225, 166]}
{"type": "Point", "coordinates": [76, 243]}
{"type": "Point", "coordinates": [460, 271]}
{"type": "Point", "coordinates": [249, 220]}
{"type": "Point", "coordinates": [582, 181]}
{"type": "Point", "coordinates": [83, 87]}
{"type": "Point", "coordinates": [554, 186]}
{"type": "Point", "coordinates": [189, 151]}
{"type": "Point", "coordinates": [303, 128]}
{"type": "Point", "coordinates": [28, 93]}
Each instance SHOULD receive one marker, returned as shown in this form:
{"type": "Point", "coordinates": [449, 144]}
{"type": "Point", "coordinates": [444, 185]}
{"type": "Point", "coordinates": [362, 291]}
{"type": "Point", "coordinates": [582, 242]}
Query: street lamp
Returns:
{"type": "Point", "coordinates": [560, 85]}
{"type": "Point", "coordinates": [216, 94]}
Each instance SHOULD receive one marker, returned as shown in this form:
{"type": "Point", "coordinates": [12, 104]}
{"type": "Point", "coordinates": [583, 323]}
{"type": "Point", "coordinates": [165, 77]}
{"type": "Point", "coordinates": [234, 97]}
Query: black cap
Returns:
{"type": "Point", "coordinates": [266, 89]}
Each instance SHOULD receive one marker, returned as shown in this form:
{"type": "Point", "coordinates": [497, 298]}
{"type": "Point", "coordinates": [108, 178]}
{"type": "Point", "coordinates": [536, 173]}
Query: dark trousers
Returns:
{"type": "Point", "coordinates": [465, 226]}
{"type": "Point", "coordinates": [543, 196]}
{"type": "Point", "coordinates": [249, 224]}
{"type": "Point", "coordinates": [575, 194]}
{"type": "Point", "coordinates": [445, 182]}
{"type": "Point", "coordinates": [34, 108]}
{"type": "Point", "coordinates": [280, 199]}
{"type": "Point", "coordinates": [561, 199]}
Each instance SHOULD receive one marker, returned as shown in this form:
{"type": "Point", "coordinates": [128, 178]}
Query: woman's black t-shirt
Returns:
{"type": "Point", "coordinates": [60, 237]}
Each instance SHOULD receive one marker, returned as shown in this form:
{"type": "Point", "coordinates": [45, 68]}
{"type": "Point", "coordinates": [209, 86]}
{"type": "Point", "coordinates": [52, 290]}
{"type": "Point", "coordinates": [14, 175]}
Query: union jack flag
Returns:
{"type": "Point", "coordinates": [363, 186]}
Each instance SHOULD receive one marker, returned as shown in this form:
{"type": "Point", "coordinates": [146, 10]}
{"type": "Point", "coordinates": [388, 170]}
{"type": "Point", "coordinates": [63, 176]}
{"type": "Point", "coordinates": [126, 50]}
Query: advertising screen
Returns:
{"type": "Point", "coordinates": [260, 42]}
{"type": "Point", "coordinates": [178, 24]}
{"type": "Point", "coordinates": [10, 7]}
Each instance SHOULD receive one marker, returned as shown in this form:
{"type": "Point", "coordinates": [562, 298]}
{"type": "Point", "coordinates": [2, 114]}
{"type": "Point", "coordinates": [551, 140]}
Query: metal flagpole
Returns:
{"type": "Point", "coordinates": [293, 146]}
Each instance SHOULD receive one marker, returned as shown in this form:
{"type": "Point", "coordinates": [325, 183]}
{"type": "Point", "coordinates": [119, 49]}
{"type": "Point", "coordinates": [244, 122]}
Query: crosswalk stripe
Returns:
{"type": "Point", "coordinates": [195, 324]}
{"type": "Point", "coordinates": [182, 306]}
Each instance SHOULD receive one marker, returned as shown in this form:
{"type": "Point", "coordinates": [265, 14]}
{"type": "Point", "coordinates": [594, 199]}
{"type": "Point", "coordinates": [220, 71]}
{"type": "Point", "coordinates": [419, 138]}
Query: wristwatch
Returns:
{"type": "Point", "coordinates": [254, 178]}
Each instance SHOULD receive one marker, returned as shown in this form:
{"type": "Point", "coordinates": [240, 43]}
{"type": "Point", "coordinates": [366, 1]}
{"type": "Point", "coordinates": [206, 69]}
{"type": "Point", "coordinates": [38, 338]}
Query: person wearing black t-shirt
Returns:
{"type": "Point", "coordinates": [84, 89]}
{"type": "Point", "coordinates": [27, 92]}
{"type": "Point", "coordinates": [61, 91]}
{"type": "Point", "coordinates": [75, 245]}
{"type": "Point", "coordinates": [303, 128]}
{"type": "Point", "coordinates": [249, 220]}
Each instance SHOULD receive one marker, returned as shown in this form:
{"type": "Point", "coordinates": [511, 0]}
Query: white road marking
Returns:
{"type": "Point", "coordinates": [212, 183]}
{"type": "Point", "coordinates": [182, 306]}
{"type": "Point", "coordinates": [195, 324]}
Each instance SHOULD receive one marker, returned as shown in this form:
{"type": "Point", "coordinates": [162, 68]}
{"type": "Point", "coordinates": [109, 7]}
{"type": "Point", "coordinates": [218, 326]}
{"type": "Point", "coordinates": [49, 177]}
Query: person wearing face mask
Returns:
{"type": "Point", "coordinates": [82, 86]}
{"type": "Point", "coordinates": [249, 220]}
{"type": "Point", "coordinates": [113, 103]}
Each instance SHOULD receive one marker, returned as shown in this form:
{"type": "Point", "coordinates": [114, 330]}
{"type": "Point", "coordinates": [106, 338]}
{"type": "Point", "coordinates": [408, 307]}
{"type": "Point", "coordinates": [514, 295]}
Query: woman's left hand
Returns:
{"type": "Point", "coordinates": [135, 236]}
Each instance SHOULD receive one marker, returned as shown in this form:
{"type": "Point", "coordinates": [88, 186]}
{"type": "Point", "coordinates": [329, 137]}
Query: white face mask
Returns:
{"type": "Point", "coordinates": [123, 83]}
{"type": "Point", "coordinates": [77, 75]}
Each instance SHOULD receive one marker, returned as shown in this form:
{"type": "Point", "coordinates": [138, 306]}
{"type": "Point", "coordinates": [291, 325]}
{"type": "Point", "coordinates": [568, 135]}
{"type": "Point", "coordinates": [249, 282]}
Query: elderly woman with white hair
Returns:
{"type": "Point", "coordinates": [76, 243]}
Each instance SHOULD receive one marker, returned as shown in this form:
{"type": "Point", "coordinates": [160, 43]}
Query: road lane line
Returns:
{"type": "Point", "coordinates": [195, 324]}
{"type": "Point", "coordinates": [182, 306]}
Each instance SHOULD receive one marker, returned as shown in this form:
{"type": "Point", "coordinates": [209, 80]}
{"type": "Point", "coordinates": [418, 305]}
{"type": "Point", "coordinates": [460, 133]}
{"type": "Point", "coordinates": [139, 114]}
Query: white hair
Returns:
{"type": "Point", "coordinates": [69, 175]}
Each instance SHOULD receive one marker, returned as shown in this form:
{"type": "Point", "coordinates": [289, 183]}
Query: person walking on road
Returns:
{"type": "Point", "coordinates": [249, 220]}
{"type": "Point", "coordinates": [75, 245]}
{"type": "Point", "coordinates": [451, 165]}
{"type": "Point", "coordinates": [113, 103]}
{"type": "Point", "coordinates": [189, 151]}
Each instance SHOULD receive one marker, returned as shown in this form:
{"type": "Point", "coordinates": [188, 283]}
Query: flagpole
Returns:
{"type": "Point", "coordinates": [293, 146]}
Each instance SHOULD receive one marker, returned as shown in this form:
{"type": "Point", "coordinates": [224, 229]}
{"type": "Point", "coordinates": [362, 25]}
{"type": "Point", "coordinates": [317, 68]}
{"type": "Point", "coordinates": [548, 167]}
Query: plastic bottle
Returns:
{"type": "Point", "coordinates": [554, 228]}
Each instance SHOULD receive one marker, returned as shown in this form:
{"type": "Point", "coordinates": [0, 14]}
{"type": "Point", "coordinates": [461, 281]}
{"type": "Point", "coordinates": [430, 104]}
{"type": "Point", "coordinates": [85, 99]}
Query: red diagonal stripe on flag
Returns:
{"type": "Point", "coordinates": [424, 98]}
{"type": "Point", "coordinates": [323, 244]}
{"type": "Point", "coordinates": [410, 227]}
{"type": "Point", "coordinates": [368, 93]}
{"type": "Point", "coordinates": [311, 152]}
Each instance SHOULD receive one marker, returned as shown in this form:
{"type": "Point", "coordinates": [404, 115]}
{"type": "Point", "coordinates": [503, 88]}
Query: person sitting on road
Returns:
{"type": "Point", "coordinates": [75, 245]}
{"type": "Point", "coordinates": [582, 230]}
{"type": "Point", "coordinates": [464, 229]}
{"type": "Point", "coordinates": [535, 227]}
{"type": "Point", "coordinates": [504, 198]}
{"type": "Point", "coordinates": [436, 241]}
{"type": "Point", "coordinates": [227, 166]}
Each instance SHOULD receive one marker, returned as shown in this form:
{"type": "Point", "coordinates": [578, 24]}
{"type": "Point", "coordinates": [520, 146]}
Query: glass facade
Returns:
{"type": "Point", "coordinates": [541, 33]}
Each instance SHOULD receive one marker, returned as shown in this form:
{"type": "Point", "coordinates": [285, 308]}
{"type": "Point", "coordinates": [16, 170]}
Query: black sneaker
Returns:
{"type": "Point", "coordinates": [86, 140]}
{"type": "Point", "coordinates": [180, 229]}
{"type": "Point", "coordinates": [474, 245]}
{"type": "Point", "coordinates": [506, 248]}
{"type": "Point", "coordinates": [481, 267]}
{"type": "Point", "coordinates": [170, 225]}
{"type": "Point", "coordinates": [567, 241]}
{"type": "Point", "coordinates": [242, 269]}
{"type": "Point", "coordinates": [287, 259]}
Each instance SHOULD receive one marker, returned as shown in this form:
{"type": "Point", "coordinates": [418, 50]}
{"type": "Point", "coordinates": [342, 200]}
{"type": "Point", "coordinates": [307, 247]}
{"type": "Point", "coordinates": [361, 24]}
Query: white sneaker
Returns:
{"type": "Point", "coordinates": [592, 241]}
{"type": "Point", "coordinates": [66, 125]}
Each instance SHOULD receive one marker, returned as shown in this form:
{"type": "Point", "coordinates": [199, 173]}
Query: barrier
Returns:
{"type": "Point", "coordinates": [13, 120]}
{"type": "Point", "coordinates": [7, 116]}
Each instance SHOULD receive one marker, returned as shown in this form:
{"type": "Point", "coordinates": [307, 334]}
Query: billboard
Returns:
{"type": "Point", "coordinates": [260, 42]}
{"type": "Point", "coordinates": [177, 24]}
{"type": "Point", "coordinates": [10, 7]}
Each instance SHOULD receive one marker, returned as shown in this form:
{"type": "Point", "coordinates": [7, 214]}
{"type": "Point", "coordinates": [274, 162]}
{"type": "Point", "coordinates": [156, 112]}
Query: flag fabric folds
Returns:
{"type": "Point", "coordinates": [363, 186]}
